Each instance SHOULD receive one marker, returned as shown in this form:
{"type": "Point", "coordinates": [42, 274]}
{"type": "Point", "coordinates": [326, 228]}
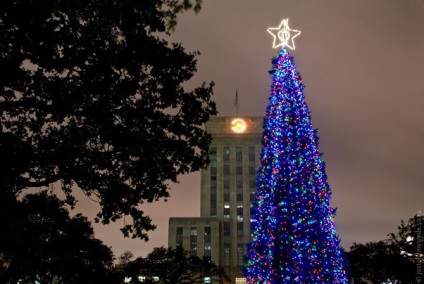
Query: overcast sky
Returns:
{"type": "Point", "coordinates": [362, 62]}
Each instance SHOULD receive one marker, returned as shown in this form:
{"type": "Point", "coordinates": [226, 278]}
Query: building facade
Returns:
{"type": "Point", "coordinates": [195, 234]}
{"type": "Point", "coordinates": [228, 188]}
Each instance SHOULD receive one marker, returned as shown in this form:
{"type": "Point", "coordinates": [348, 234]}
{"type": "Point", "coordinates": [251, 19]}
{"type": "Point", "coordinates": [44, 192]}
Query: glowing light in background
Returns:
{"type": "Point", "coordinates": [238, 125]}
{"type": "Point", "coordinates": [283, 35]}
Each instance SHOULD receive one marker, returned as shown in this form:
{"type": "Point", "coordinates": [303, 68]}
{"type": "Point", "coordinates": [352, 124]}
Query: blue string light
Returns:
{"type": "Point", "coordinates": [294, 238]}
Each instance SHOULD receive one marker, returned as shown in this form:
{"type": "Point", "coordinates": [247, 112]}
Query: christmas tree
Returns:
{"type": "Point", "coordinates": [294, 238]}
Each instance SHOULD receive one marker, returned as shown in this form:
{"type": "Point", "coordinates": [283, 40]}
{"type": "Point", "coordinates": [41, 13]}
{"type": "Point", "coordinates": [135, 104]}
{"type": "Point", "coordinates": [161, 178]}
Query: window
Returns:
{"type": "Point", "coordinates": [252, 196]}
{"type": "Point", "coordinates": [226, 254]}
{"type": "Point", "coordinates": [193, 231]}
{"type": "Point", "coordinates": [155, 278]}
{"type": "Point", "coordinates": [226, 213]}
{"type": "Point", "coordinates": [207, 279]}
{"type": "Point", "coordinates": [252, 187]}
{"type": "Point", "coordinates": [208, 236]}
{"type": "Point", "coordinates": [240, 254]}
{"type": "Point", "coordinates": [193, 241]}
{"type": "Point", "coordinates": [226, 169]}
{"type": "Point", "coordinates": [213, 205]}
{"type": "Point", "coordinates": [207, 241]}
{"type": "Point", "coordinates": [239, 182]}
{"type": "Point", "coordinates": [226, 152]}
{"type": "Point", "coordinates": [252, 169]}
{"type": "Point", "coordinates": [240, 221]}
{"type": "Point", "coordinates": [142, 278]}
{"type": "Point", "coordinates": [239, 170]}
{"type": "Point", "coordinates": [213, 184]}
{"type": "Point", "coordinates": [226, 181]}
{"type": "Point", "coordinates": [226, 229]}
{"type": "Point", "coordinates": [226, 194]}
{"type": "Point", "coordinates": [239, 154]}
{"type": "Point", "coordinates": [226, 185]}
{"type": "Point", "coordinates": [213, 177]}
{"type": "Point", "coordinates": [207, 252]}
{"type": "Point", "coordinates": [212, 154]}
{"type": "Point", "coordinates": [240, 229]}
{"type": "Point", "coordinates": [251, 153]}
{"type": "Point", "coordinates": [179, 237]}
{"type": "Point", "coordinates": [213, 173]}
{"type": "Point", "coordinates": [252, 183]}
{"type": "Point", "coordinates": [252, 173]}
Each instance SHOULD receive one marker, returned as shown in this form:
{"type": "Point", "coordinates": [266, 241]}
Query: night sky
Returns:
{"type": "Point", "coordinates": [362, 62]}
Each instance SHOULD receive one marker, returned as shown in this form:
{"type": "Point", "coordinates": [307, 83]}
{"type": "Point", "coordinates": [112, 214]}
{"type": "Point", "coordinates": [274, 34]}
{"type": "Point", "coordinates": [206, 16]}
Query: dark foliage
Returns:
{"type": "Point", "coordinates": [91, 98]}
{"type": "Point", "coordinates": [398, 258]}
{"type": "Point", "coordinates": [44, 243]}
{"type": "Point", "coordinates": [377, 262]}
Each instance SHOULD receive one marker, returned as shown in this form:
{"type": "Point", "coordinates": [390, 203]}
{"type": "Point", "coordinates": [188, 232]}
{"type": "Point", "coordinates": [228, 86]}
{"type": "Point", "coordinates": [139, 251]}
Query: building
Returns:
{"type": "Point", "coordinates": [228, 187]}
{"type": "Point", "coordinates": [195, 234]}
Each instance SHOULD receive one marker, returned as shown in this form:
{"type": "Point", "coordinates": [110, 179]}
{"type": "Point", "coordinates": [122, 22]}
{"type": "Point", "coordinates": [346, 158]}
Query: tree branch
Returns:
{"type": "Point", "coordinates": [40, 183]}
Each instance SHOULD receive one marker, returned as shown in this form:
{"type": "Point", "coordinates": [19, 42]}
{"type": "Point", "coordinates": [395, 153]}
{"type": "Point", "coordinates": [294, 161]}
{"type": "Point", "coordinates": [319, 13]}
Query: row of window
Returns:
{"type": "Point", "coordinates": [207, 243]}
{"type": "Point", "coordinates": [193, 240]}
{"type": "Point", "coordinates": [226, 185]}
{"type": "Point", "coordinates": [213, 193]}
{"type": "Point", "coordinates": [240, 254]}
{"type": "Point", "coordinates": [227, 227]}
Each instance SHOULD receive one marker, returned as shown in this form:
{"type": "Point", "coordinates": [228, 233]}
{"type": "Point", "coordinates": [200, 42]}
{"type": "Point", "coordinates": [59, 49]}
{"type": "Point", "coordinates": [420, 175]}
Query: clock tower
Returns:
{"type": "Point", "coordinates": [228, 188]}
{"type": "Point", "coordinates": [228, 184]}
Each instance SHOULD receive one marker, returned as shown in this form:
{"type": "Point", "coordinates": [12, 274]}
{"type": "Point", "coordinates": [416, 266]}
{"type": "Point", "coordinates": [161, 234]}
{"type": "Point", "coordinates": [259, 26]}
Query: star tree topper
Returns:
{"type": "Point", "coordinates": [283, 35]}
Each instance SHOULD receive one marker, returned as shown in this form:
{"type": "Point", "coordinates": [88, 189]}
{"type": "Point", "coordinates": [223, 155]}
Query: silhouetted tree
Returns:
{"type": "Point", "coordinates": [44, 243]}
{"type": "Point", "coordinates": [376, 262]}
{"type": "Point", "coordinates": [410, 238]}
{"type": "Point", "coordinates": [125, 258]}
{"type": "Point", "coordinates": [174, 266]}
{"type": "Point", "coordinates": [91, 97]}
{"type": "Point", "coordinates": [397, 258]}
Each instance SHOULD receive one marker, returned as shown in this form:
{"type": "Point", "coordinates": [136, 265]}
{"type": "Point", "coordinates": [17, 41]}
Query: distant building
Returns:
{"type": "Point", "coordinates": [195, 234]}
{"type": "Point", "coordinates": [228, 188]}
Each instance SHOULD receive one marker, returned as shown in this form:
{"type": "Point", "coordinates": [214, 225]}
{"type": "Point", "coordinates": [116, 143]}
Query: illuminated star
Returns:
{"type": "Point", "coordinates": [283, 35]}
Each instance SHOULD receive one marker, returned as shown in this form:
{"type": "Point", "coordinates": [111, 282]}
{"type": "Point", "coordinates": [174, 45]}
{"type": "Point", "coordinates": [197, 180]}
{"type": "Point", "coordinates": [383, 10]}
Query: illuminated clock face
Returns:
{"type": "Point", "coordinates": [238, 125]}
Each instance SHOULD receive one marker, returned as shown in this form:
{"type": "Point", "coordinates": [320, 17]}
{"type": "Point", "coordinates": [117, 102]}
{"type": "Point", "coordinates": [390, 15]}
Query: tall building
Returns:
{"type": "Point", "coordinates": [228, 187]}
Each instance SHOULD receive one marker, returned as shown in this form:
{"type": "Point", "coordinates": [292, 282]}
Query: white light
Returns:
{"type": "Point", "coordinates": [283, 35]}
{"type": "Point", "coordinates": [238, 125]}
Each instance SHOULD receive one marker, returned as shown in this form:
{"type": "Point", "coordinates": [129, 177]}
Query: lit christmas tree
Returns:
{"type": "Point", "coordinates": [294, 239]}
